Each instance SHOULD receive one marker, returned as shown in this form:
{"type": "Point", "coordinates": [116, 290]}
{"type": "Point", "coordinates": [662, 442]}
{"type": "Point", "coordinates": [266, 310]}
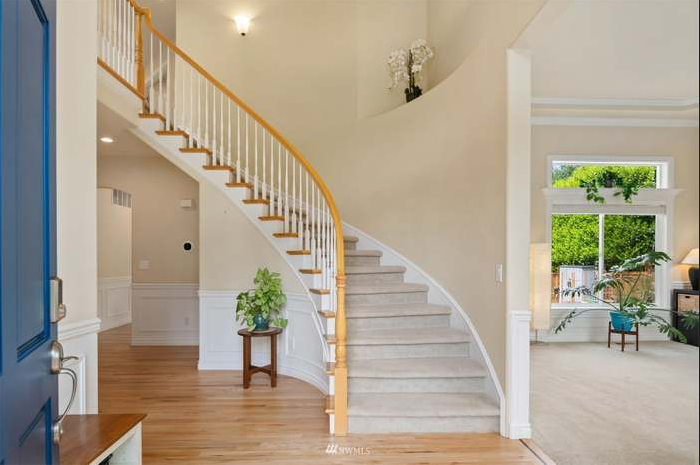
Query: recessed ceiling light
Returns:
{"type": "Point", "coordinates": [106, 139]}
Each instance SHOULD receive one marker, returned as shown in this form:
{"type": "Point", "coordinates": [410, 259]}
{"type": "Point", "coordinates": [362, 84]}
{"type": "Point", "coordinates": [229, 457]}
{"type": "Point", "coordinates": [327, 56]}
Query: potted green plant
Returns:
{"type": "Point", "coordinates": [610, 179]}
{"type": "Point", "coordinates": [260, 307]}
{"type": "Point", "coordinates": [631, 305]}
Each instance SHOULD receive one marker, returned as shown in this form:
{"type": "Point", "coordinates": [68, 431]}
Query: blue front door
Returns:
{"type": "Point", "coordinates": [28, 390]}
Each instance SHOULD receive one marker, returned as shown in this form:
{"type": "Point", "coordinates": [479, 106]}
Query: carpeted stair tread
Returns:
{"type": "Point", "coordinates": [408, 336]}
{"type": "Point", "coordinates": [395, 310]}
{"type": "Point", "coordinates": [408, 368]}
{"type": "Point", "coordinates": [363, 253]}
{"type": "Point", "coordinates": [374, 269]}
{"type": "Point", "coordinates": [350, 238]}
{"type": "Point", "coordinates": [389, 288]}
{"type": "Point", "coordinates": [411, 405]}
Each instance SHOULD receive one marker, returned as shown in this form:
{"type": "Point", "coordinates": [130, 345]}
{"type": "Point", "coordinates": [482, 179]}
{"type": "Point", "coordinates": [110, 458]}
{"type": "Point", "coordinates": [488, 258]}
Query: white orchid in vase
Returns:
{"type": "Point", "coordinates": [407, 66]}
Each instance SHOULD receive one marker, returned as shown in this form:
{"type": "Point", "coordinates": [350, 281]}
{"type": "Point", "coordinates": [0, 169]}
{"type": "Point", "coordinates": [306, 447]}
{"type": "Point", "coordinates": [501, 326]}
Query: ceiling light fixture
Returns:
{"type": "Point", "coordinates": [106, 139]}
{"type": "Point", "coordinates": [242, 24]}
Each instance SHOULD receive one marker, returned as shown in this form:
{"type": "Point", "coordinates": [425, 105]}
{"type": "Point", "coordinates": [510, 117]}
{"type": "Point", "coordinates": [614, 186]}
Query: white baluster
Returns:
{"type": "Point", "coordinates": [263, 183]}
{"type": "Point", "coordinates": [168, 118]}
{"type": "Point", "coordinates": [255, 178]}
{"type": "Point", "coordinates": [213, 147]}
{"type": "Point", "coordinates": [279, 178]}
{"type": "Point", "coordinates": [228, 154]}
{"type": "Point", "coordinates": [206, 113]}
{"type": "Point", "coordinates": [199, 111]}
{"type": "Point", "coordinates": [238, 144]}
{"type": "Point", "coordinates": [287, 226]}
{"type": "Point", "coordinates": [272, 176]}
{"type": "Point", "coordinates": [151, 98]}
{"type": "Point", "coordinates": [221, 130]}
{"type": "Point", "coordinates": [295, 225]}
{"type": "Point", "coordinates": [247, 149]}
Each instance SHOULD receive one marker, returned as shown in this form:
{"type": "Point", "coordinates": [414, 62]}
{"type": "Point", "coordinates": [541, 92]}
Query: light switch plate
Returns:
{"type": "Point", "coordinates": [144, 264]}
{"type": "Point", "coordinates": [499, 273]}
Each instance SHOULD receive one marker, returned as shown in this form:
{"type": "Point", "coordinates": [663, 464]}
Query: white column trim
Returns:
{"type": "Point", "coordinates": [71, 330]}
{"type": "Point", "coordinates": [518, 374]}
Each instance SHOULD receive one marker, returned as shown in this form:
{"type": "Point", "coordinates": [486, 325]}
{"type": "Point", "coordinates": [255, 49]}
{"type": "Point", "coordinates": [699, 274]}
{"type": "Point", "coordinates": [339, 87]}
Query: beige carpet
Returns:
{"type": "Point", "coordinates": [595, 406]}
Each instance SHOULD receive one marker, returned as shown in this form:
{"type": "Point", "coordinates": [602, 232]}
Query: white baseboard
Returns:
{"type": "Point", "coordinates": [114, 301]}
{"type": "Point", "coordinates": [79, 339]}
{"type": "Point", "coordinates": [590, 327]}
{"type": "Point", "coordinates": [165, 314]}
{"type": "Point", "coordinates": [300, 350]}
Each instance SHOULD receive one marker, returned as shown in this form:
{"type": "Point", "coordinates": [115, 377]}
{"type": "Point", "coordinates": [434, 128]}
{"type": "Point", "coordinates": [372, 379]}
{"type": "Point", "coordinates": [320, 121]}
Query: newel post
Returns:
{"type": "Point", "coordinates": [341, 367]}
{"type": "Point", "coordinates": [140, 73]}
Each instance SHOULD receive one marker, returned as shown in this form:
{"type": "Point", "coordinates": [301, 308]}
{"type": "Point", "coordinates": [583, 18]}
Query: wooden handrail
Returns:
{"type": "Point", "coordinates": [340, 323]}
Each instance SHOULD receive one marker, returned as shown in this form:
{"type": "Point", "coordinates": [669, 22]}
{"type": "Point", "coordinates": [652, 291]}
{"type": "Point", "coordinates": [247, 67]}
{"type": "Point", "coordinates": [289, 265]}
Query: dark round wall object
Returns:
{"type": "Point", "coordinates": [187, 246]}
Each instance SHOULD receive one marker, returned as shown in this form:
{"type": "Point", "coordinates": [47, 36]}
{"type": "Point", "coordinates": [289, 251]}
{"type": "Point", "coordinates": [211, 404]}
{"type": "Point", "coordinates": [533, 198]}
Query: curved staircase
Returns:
{"type": "Point", "coordinates": [395, 361]}
{"type": "Point", "coordinates": [408, 370]}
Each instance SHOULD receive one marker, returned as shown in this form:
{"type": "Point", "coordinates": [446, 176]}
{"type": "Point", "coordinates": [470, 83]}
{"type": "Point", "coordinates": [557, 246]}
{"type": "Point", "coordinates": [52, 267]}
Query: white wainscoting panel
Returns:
{"type": "Point", "coordinates": [79, 339]}
{"type": "Point", "coordinates": [518, 374]}
{"type": "Point", "coordinates": [165, 314]}
{"type": "Point", "coordinates": [300, 346]}
{"type": "Point", "coordinates": [592, 327]}
{"type": "Point", "coordinates": [114, 301]}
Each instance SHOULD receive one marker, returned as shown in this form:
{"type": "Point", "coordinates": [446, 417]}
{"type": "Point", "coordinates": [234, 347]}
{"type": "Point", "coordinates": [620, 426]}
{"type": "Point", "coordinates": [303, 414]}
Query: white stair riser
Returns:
{"type": "Point", "coordinates": [373, 352]}
{"type": "Point", "coordinates": [402, 322]}
{"type": "Point", "coordinates": [416, 384]}
{"type": "Point", "coordinates": [358, 424]}
{"type": "Point", "coordinates": [389, 298]}
{"type": "Point", "coordinates": [375, 278]}
{"type": "Point", "coordinates": [361, 261]}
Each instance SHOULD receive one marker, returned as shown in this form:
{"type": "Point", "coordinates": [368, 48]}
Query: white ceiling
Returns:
{"type": "Point", "coordinates": [125, 143]}
{"type": "Point", "coordinates": [621, 49]}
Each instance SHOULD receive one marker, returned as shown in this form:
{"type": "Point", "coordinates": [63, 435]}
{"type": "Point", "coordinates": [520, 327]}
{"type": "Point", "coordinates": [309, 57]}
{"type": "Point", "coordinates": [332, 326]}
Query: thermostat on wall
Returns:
{"type": "Point", "coordinates": [187, 246]}
{"type": "Point", "coordinates": [186, 203]}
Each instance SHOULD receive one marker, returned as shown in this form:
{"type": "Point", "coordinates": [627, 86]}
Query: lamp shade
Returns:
{"type": "Point", "coordinates": [691, 258]}
{"type": "Point", "coordinates": [541, 285]}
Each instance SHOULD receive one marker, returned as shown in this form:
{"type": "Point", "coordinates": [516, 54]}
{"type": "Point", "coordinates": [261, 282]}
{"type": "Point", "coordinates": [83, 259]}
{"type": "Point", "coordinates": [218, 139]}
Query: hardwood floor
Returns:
{"type": "Point", "coordinates": [205, 417]}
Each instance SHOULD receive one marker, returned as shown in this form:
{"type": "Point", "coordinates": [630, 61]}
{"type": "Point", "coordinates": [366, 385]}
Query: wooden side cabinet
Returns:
{"type": "Point", "coordinates": [683, 301]}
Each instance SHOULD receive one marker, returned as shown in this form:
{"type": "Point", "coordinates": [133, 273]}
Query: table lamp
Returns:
{"type": "Point", "coordinates": [692, 260]}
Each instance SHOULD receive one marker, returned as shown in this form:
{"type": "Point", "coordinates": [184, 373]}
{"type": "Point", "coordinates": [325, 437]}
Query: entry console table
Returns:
{"type": "Point", "coordinates": [248, 368]}
{"type": "Point", "coordinates": [103, 438]}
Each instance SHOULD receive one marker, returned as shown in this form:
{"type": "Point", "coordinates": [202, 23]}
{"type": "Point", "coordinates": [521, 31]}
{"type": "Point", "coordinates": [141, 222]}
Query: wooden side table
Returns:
{"type": "Point", "coordinates": [612, 331]}
{"type": "Point", "coordinates": [248, 368]}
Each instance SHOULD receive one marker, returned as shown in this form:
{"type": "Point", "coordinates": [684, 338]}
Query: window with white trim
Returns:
{"type": "Point", "coordinates": [588, 237]}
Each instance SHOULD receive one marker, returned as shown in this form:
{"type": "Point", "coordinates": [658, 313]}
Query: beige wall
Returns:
{"type": "Point", "coordinates": [679, 143]}
{"type": "Point", "coordinates": [113, 237]}
{"type": "Point", "coordinates": [160, 225]}
{"type": "Point", "coordinates": [76, 121]}
{"type": "Point", "coordinates": [428, 178]}
{"type": "Point", "coordinates": [232, 248]}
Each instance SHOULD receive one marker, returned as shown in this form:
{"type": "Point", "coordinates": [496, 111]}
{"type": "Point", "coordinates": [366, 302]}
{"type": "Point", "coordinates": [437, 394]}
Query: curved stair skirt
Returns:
{"type": "Point", "coordinates": [476, 416]}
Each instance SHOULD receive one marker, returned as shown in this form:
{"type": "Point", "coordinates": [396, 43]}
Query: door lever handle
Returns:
{"type": "Point", "coordinates": [57, 428]}
{"type": "Point", "coordinates": [57, 368]}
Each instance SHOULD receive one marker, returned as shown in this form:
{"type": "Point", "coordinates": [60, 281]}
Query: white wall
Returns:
{"type": "Point", "coordinates": [76, 79]}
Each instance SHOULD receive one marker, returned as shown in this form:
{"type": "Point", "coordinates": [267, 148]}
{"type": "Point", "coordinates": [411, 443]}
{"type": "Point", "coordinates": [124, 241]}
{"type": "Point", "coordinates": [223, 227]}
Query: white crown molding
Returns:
{"type": "Point", "coordinates": [75, 329]}
{"type": "Point", "coordinates": [682, 104]}
{"type": "Point", "coordinates": [620, 122]}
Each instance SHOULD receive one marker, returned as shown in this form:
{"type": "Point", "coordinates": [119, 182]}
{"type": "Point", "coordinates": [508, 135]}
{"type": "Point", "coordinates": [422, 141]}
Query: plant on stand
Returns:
{"type": "Point", "coordinates": [632, 303]}
{"type": "Point", "coordinates": [260, 307]}
{"type": "Point", "coordinates": [407, 65]}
